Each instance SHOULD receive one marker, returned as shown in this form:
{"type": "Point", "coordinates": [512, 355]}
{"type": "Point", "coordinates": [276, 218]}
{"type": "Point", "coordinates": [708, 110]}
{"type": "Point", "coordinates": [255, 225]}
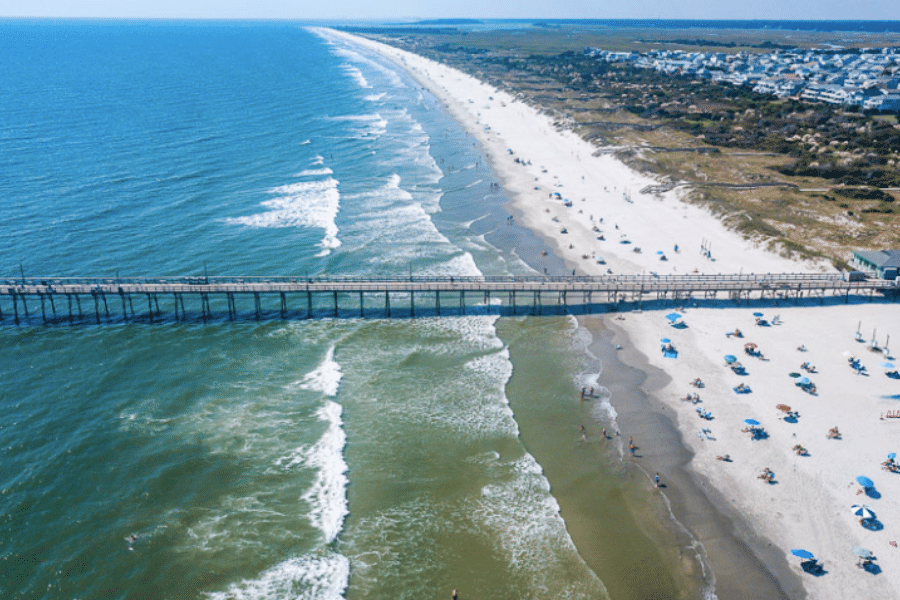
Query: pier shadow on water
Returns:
{"type": "Point", "coordinates": [217, 310]}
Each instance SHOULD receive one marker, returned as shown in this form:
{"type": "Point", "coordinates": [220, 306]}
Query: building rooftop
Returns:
{"type": "Point", "coordinates": [880, 258]}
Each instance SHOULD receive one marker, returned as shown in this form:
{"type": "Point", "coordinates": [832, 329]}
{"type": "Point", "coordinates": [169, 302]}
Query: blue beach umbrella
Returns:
{"type": "Point", "coordinates": [757, 314]}
{"type": "Point", "coordinates": [892, 455]}
{"type": "Point", "coordinates": [887, 365]}
{"type": "Point", "coordinates": [730, 358]}
{"type": "Point", "coordinates": [751, 422]}
{"type": "Point", "coordinates": [660, 252]}
{"type": "Point", "coordinates": [800, 553]}
{"type": "Point", "coordinates": [665, 341]}
{"type": "Point", "coordinates": [861, 552]}
{"type": "Point", "coordinates": [803, 380]}
{"type": "Point", "coordinates": [673, 317]}
{"type": "Point", "coordinates": [865, 482]}
{"type": "Point", "coordinates": [862, 511]}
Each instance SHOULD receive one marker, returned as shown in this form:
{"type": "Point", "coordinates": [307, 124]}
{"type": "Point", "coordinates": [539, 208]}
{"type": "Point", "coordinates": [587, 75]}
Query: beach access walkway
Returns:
{"type": "Point", "coordinates": [522, 292]}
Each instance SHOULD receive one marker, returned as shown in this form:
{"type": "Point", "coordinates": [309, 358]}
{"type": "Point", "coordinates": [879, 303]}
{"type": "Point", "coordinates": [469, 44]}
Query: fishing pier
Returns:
{"type": "Point", "coordinates": [67, 300]}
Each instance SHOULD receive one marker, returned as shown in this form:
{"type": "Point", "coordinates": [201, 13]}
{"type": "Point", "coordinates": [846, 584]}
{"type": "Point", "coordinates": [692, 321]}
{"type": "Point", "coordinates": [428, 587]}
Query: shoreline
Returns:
{"type": "Point", "coordinates": [693, 504]}
{"type": "Point", "coordinates": [754, 523]}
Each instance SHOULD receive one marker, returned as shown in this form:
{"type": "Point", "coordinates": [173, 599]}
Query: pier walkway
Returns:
{"type": "Point", "coordinates": [526, 292]}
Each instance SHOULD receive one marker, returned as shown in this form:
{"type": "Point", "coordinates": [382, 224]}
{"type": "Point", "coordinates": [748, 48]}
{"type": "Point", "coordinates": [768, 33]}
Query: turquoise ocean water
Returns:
{"type": "Point", "coordinates": [289, 458]}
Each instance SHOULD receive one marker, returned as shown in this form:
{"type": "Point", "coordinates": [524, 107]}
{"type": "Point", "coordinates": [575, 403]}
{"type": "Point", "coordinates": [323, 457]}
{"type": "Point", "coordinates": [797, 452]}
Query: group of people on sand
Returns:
{"type": "Point", "coordinates": [800, 450]}
{"type": "Point", "coordinates": [692, 398]}
{"type": "Point", "coordinates": [767, 475]}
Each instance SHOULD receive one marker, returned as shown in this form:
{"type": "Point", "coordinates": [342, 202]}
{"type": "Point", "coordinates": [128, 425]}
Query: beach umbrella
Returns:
{"type": "Point", "coordinates": [730, 358]}
{"type": "Point", "coordinates": [892, 455]}
{"type": "Point", "coordinates": [865, 482]}
{"type": "Point", "coordinates": [887, 365]}
{"type": "Point", "coordinates": [803, 380]}
{"type": "Point", "coordinates": [800, 553]}
{"type": "Point", "coordinates": [794, 375]}
{"type": "Point", "coordinates": [673, 317]}
{"type": "Point", "coordinates": [665, 341]}
{"type": "Point", "coordinates": [757, 314]}
{"type": "Point", "coordinates": [751, 422]}
{"type": "Point", "coordinates": [848, 355]}
{"type": "Point", "coordinates": [660, 252]}
{"type": "Point", "coordinates": [862, 511]}
{"type": "Point", "coordinates": [783, 407]}
{"type": "Point", "coordinates": [861, 552]}
{"type": "Point", "coordinates": [750, 345]}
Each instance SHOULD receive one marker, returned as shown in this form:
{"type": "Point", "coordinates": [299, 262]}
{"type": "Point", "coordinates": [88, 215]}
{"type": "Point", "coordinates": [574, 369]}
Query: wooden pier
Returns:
{"type": "Point", "coordinates": [68, 300]}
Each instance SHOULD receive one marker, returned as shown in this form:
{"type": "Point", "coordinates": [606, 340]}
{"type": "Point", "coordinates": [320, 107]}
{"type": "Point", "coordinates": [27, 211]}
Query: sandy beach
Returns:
{"type": "Point", "coordinates": [571, 196]}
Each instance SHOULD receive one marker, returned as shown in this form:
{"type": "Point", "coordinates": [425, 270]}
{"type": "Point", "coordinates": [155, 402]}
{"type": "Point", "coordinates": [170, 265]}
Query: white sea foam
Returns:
{"type": "Point", "coordinates": [305, 142]}
{"type": "Point", "coordinates": [327, 496]}
{"type": "Point", "coordinates": [309, 577]}
{"type": "Point", "coordinates": [357, 76]}
{"type": "Point", "coordinates": [302, 204]}
{"type": "Point", "coordinates": [326, 378]}
{"type": "Point", "coordinates": [375, 97]}
{"type": "Point", "coordinates": [521, 515]}
{"type": "Point", "coordinates": [370, 125]}
{"type": "Point", "coordinates": [315, 172]}
{"type": "Point", "coordinates": [341, 49]}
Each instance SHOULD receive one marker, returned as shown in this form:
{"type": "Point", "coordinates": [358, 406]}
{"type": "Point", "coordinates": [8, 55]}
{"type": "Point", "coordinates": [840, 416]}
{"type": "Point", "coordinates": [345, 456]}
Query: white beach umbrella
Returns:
{"type": "Point", "coordinates": [862, 511]}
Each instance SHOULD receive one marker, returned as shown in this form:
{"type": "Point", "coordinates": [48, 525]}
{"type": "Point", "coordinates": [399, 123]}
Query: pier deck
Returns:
{"type": "Point", "coordinates": [594, 291]}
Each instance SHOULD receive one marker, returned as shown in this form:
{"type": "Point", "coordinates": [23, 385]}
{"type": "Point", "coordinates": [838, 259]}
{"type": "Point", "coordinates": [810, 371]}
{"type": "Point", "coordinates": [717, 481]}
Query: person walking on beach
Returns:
{"type": "Point", "coordinates": [656, 479]}
{"type": "Point", "coordinates": [455, 596]}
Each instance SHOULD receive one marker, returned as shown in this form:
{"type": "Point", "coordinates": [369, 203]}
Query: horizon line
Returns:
{"type": "Point", "coordinates": [449, 20]}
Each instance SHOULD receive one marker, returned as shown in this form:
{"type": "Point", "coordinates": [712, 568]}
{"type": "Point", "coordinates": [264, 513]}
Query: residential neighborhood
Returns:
{"type": "Point", "coordinates": [867, 78]}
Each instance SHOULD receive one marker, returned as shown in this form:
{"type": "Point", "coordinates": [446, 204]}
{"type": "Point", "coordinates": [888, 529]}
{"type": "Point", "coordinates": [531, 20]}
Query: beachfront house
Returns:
{"type": "Point", "coordinates": [885, 263]}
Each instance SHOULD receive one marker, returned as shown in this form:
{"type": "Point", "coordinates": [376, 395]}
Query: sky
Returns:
{"type": "Point", "coordinates": [432, 9]}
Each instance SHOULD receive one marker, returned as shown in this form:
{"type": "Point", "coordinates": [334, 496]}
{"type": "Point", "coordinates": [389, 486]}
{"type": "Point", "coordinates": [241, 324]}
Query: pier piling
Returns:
{"type": "Point", "coordinates": [613, 290]}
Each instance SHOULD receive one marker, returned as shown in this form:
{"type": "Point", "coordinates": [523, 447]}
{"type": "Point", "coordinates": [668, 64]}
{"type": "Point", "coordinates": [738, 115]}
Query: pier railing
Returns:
{"type": "Point", "coordinates": [590, 292]}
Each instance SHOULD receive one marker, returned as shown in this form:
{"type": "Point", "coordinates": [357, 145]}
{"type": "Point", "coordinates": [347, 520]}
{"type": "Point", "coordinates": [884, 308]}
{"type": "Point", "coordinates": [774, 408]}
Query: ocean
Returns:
{"type": "Point", "coordinates": [283, 458]}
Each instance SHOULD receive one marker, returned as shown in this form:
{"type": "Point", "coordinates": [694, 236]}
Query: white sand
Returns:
{"type": "Point", "coordinates": [809, 506]}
